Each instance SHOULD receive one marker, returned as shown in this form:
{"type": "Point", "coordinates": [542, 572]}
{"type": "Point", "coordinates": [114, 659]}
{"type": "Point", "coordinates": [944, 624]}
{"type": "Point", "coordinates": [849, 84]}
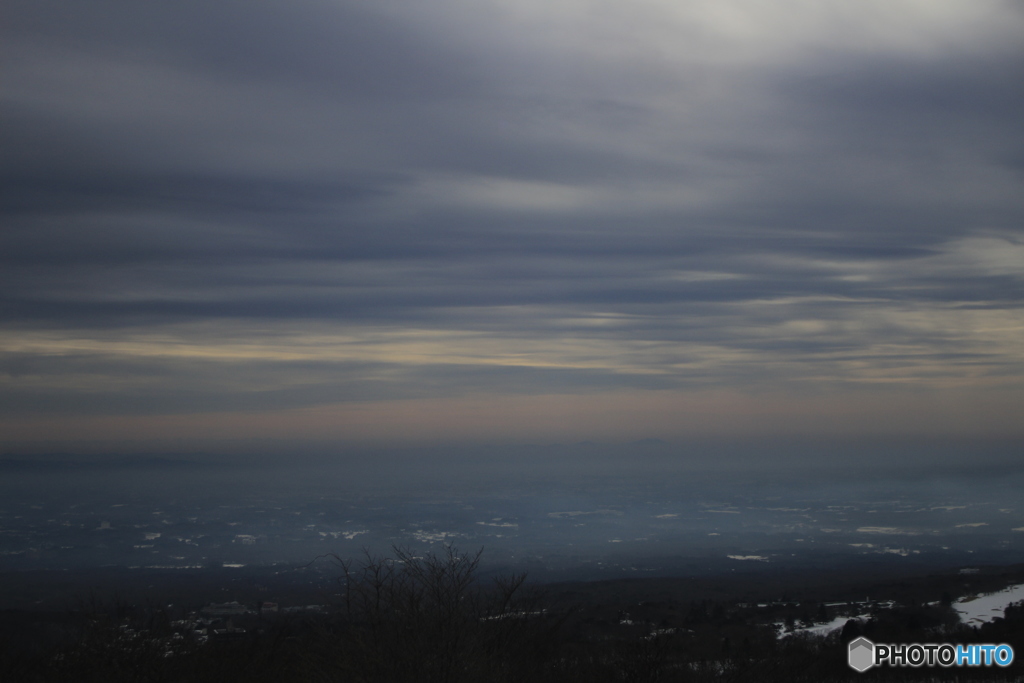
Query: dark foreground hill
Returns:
{"type": "Point", "coordinates": [433, 618]}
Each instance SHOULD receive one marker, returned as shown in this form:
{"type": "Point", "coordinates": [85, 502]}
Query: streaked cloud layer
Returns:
{"type": "Point", "coordinates": [510, 220]}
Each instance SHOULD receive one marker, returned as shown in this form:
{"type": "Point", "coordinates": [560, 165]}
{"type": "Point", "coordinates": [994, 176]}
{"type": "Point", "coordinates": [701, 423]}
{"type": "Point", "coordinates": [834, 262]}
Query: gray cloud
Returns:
{"type": "Point", "coordinates": [670, 200]}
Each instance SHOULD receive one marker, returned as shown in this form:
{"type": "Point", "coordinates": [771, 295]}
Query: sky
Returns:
{"type": "Point", "coordinates": [509, 221]}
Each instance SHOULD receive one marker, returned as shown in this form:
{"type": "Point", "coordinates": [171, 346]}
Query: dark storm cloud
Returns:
{"type": "Point", "coordinates": [742, 210]}
{"type": "Point", "coordinates": [178, 194]}
{"type": "Point", "coordinates": [912, 100]}
{"type": "Point", "coordinates": [347, 47]}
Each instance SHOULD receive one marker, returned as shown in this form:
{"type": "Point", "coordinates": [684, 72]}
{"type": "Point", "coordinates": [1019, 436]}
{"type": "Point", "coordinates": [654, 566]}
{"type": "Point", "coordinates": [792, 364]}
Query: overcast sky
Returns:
{"type": "Point", "coordinates": [410, 221]}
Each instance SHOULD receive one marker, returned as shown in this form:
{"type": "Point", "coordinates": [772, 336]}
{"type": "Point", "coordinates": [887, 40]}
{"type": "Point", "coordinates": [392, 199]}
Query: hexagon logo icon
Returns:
{"type": "Point", "coordinates": [861, 654]}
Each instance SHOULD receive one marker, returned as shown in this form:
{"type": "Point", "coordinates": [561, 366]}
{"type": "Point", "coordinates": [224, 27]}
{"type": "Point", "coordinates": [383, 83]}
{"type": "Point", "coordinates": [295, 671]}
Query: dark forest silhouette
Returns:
{"type": "Point", "coordinates": [431, 619]}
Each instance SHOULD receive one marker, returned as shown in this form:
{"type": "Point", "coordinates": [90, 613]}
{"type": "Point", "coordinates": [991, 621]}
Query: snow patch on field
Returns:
{"type": "Point", "coordinates": [979, 609]}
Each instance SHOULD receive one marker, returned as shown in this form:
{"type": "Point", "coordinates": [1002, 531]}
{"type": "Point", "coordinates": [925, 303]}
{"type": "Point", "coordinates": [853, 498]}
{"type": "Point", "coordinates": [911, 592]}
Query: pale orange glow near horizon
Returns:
{"type": "Point", "coordinates": [611, 416]}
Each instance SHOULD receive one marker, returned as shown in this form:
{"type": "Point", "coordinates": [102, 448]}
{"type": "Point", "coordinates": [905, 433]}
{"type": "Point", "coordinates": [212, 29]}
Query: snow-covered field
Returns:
{"type": "Point", "coordinates": [973, 609]}
{"type": "Point", "coordinates": [979, 609]}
